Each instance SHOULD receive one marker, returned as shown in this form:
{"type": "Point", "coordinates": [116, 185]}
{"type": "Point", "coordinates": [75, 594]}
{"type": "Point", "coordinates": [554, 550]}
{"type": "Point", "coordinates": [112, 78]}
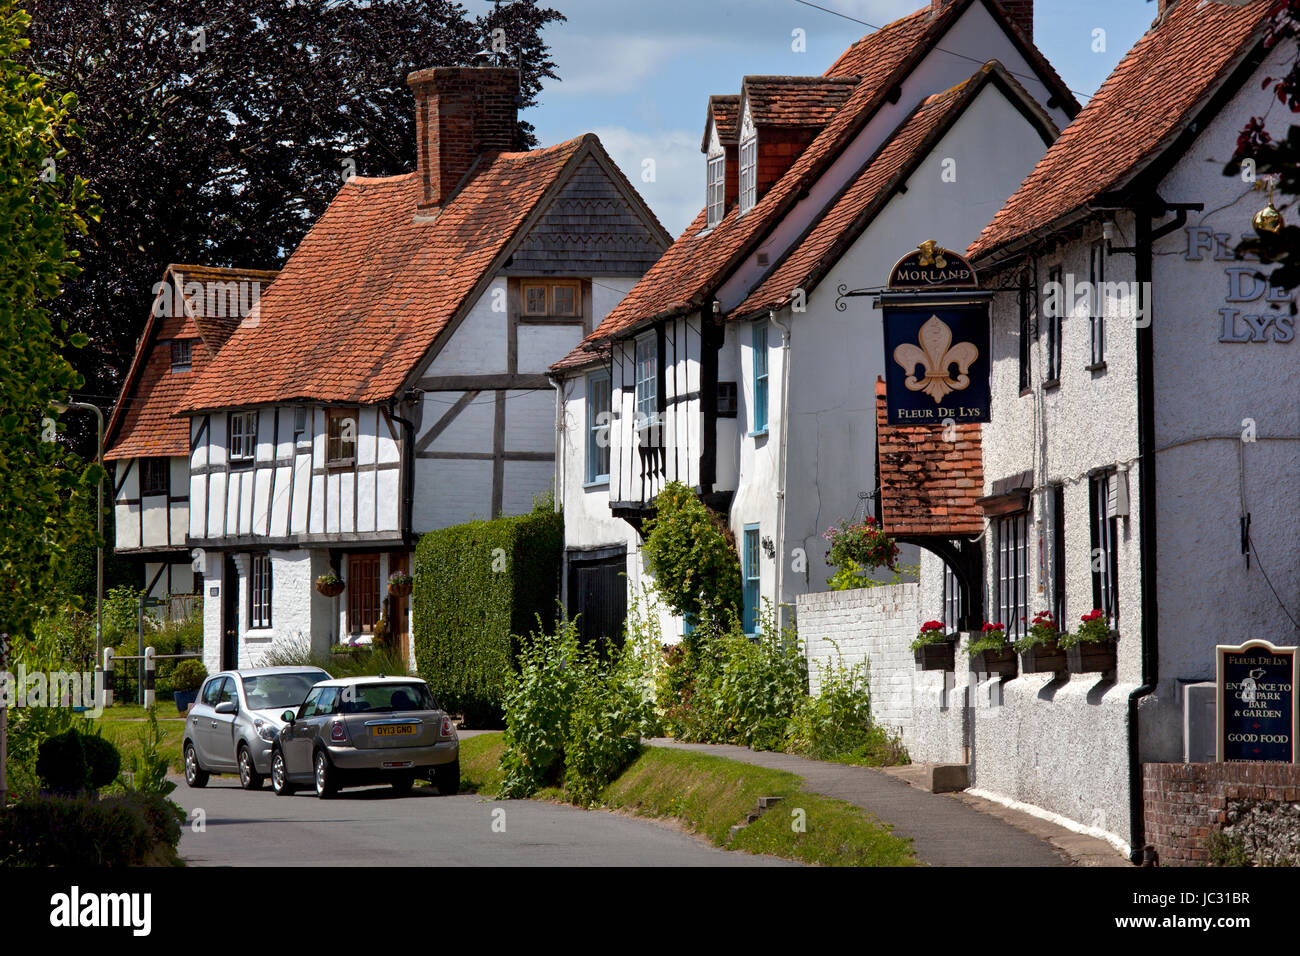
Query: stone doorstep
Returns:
{"type": "Point", "coordinates": [953, 779]}
{"type": "Point", "coordinates": [933, 777]}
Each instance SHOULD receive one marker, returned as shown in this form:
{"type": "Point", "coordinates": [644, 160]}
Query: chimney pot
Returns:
{"type": "Point", "coordinates": [461, 112]}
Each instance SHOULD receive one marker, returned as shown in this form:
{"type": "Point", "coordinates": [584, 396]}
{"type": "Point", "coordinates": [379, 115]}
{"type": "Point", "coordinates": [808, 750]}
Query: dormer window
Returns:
{"type": "Point", "coordinates": [717, 189]}
{"type": "Point", "coordinates": [748, 174]}
{"type": "Point", "coordinates": [182, 355]}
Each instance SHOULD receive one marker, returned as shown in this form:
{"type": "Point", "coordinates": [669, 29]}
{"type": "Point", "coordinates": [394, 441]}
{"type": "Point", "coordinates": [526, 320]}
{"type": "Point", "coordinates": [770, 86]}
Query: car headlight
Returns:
{"type": "Point", "coordinates": [266, 731]}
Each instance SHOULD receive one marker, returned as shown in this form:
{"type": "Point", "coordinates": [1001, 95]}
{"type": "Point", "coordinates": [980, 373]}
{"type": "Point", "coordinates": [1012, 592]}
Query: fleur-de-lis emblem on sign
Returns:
{"type": "Point", "coordinates": [935, 356]}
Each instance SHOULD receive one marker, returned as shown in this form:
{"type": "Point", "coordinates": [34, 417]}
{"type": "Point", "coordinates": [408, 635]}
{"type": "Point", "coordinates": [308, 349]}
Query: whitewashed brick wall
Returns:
{"type": "Point", "coordinates": [872, 625]}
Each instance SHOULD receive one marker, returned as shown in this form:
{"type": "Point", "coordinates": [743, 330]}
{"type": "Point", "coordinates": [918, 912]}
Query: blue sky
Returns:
{"type": "Point", "coordinates": [639, 72]}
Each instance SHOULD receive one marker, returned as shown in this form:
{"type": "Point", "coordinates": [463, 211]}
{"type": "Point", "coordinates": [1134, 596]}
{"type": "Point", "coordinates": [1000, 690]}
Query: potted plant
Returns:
{"type": "Point", "coordinates": [329, 584]}
{"type": "Point", "coordinates": [1040, 650]}
{"type": "Point", "coordinates": [1091, 649]}
{"type": "Point", "coordinates": [991, 652]}
{"type": "Point", "coordinates": [187, 677]}
{"type": "Point", "coordinates": [400, 584]}
{"type": "Point", "coordinates": [934, 648]}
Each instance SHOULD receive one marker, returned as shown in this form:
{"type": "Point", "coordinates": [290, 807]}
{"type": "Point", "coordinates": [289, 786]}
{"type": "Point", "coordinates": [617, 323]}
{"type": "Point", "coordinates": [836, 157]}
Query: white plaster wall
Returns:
{"type": "Point", "coordinates": [479, 345]}
{"type": "Point", "coordinates": [450, 492]}
{"type": "Point", "coordinates": [541, 345]}
{"type": "Point", "coordinates": [126, 517]}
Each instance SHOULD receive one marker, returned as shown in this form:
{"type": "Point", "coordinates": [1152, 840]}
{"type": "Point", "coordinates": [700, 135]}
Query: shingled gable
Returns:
{"type": "Point", "coordinates": [867, 193]}
{"type": "Point", "coordinates": [374, 289]}
{"type": "Point", "coordinates": [699, 262]}
{"type": "Point", "coordinates": [143, 422]}
{"type": "Point", "coordinates": [1139, 111]}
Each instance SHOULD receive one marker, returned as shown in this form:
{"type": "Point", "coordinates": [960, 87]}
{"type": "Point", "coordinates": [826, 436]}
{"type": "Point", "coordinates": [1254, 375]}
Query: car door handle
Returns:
{"type": "Point", "coordinates": [214, 725]}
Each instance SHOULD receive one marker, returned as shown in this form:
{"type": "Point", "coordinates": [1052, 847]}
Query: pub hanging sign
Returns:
{"type": "Point", "coordinates": [1257, 706]}
{"type": "Point", "coordinates": [936, 340]}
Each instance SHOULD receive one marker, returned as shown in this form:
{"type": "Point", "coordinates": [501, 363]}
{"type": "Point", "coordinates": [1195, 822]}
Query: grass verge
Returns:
{"type": "Point", "coordinates": [124, 724]}
{"type": "Point", "coordinates": [709, 795]}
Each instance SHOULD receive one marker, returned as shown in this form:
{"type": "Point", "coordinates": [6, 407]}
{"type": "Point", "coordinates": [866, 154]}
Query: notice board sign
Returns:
{"type": "Point", "coordinates": [1257, 714]}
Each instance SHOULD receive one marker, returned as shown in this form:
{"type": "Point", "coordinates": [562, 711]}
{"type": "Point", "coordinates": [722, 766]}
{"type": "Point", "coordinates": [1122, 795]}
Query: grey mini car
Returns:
{"type": "Point", "coordinates": [236, 719]}
{"type": "Point", "coordinates": [358, 731]}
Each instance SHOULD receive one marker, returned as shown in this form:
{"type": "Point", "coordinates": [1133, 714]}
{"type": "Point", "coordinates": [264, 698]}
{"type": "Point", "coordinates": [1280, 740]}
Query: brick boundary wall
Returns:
{"type": "Point", "coordinates": [1183, 803]}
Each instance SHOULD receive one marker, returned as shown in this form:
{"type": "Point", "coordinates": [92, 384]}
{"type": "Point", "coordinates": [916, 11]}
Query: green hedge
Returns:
{"type": "Point", "coordinates": [478, 586]}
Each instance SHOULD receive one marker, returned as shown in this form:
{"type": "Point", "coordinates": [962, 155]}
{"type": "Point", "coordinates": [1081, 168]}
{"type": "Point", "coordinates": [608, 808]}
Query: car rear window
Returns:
{"type": "Point", "coordinates": [276, 691]}
{"type": "Point", "coordinates": [386, 698]}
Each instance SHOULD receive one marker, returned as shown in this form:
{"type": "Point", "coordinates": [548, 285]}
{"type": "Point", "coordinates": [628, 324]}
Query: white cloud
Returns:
{"type": "Point", "coordinates": [676, 193]}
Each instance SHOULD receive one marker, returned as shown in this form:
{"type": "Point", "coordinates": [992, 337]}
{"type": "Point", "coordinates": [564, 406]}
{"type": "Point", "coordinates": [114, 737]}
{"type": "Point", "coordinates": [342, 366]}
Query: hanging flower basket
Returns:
{"type": "Point", "coordinates": [330, 585]}
{"type": "Point", "coordinates": [400, 584]}
{"type": "Point", "coordinates": [935, 650]}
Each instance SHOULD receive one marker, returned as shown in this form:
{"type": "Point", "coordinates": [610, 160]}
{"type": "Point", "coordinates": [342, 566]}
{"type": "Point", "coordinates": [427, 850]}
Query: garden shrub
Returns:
{"type": "Point", "coordinates": [692, 555]}
{"type": "Point", "coordinates": [477, 585]}
{"type": "Point", "coordinates": [573, 717]}
{"type": "Point", "coordinates": [837, 723]}
{"type": "Point", "coordinates": [61, 763]}
{"type": "Point", "coordinates": [103, 760]}
{"type": "Point", "coordinates": [125, 830]}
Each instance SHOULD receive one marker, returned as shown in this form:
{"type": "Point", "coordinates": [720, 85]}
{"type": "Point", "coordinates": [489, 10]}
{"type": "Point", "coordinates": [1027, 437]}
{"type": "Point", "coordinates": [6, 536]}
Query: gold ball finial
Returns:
{"type": "Point", "coordinates": [1268, 221]}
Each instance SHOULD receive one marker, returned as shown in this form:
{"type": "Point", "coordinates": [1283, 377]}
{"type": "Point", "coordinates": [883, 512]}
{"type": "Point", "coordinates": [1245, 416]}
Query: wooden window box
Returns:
{"type": "Point", "coordinates": [936, 657]}
{"type": "Point", "coordinates": [1092, 657]}
{"type": "Point", "coordinates": [1001, 662]}
{"type": "Point", "coordinates": [1044, 659]}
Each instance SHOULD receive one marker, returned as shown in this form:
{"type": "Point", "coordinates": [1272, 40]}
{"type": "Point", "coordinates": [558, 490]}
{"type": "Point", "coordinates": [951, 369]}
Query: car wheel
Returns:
{"type": "Point", "coordinates": [249, 778]}
{"type": "Point", "coordinates": [326, 786]}
{"type": "Point", "coordinates": [402, 783]}
{"type": "Point", "coordinates": [280, 775]}
{"type": "Point", "coordinates": [446, 778]}
{"type": "Point", "coordinates": [195, 775]}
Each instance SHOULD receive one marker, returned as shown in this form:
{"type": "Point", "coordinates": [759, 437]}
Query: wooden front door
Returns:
{"type": "Point", "coordinates": [397, 609]}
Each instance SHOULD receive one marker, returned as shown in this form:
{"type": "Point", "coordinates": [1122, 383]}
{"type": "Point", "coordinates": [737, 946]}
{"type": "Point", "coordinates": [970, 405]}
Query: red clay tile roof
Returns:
{"type": "Point", "coordinates": [803, 101]}
{"type": "Point", "coordinates": [928, 485]}
{"type": "Point", "coordinates": [144, 422]}
{"type": "Point", "coordinates": [368, 290]}
{"type": "Point", "coordinates": [724, 111]}
{"type": "Point", "coordinates": [1138, 110]}
{"type": "Point", "coordinates": [869, 191]}
{"type": "Point", "coordinates": [696, 264]}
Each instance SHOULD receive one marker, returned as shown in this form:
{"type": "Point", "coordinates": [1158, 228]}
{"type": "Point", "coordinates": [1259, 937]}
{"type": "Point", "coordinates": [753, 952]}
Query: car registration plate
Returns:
{"type": "Point", "coordinates": [393, 730]}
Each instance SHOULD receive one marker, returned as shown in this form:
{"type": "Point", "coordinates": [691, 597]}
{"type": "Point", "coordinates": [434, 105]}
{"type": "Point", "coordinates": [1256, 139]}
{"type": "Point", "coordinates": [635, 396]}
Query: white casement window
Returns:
{"type": "Point", "coordinates": [647, 381]}
{"type": "Point", "coordinates": [243, 435]}
{"type": "Point", "coordinates": [341, 446]}
{"type": "Point", "coordinates": [259, 612]}
{"type": "Point", "coordinates": [716, 190]}
{"type": "Point", "coordinates": [760, 379]}
{"type": "Point", "coordinates": [1012, 572]}
{"type": "Point", "coordinates": [1108, 501]}
{"type": "Point", "coordinates": [748, 174]}
{"type": "Point", "coordinates": [598, 411]}
{"type": "Point", "coordinates": [951, 599]}
{"type": "Point", "coordinates": [1097, 276]}
{"type": "Point", "coordinates": [300, 425]}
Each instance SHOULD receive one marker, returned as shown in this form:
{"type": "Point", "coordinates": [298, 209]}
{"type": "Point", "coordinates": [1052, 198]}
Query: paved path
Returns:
{"type": "Point", "coordinates": [374, 826]}
{"type": "Point", "coordinates": [944, 832]}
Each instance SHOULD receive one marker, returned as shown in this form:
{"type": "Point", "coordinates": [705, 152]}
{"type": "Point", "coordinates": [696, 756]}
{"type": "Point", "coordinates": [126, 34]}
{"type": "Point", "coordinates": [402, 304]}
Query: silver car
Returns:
{"type": "Point", "coordinates": [236, 719]}
{"type": "Point", "coordinates": [358, 731]}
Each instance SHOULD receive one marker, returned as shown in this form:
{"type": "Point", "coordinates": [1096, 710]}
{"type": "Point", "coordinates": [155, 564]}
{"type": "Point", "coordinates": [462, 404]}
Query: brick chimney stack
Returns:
{"type": "Point", "coordinates": [461, 112]}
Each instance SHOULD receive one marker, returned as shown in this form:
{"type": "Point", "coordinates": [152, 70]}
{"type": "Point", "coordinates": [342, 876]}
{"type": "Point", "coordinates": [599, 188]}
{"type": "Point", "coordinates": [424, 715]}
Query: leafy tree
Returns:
{"type": "Point", "coordinates": [218, 130]}
{"type": "Point", "coordinates": [692, 556]}
{"type": "Point", "coordinates": [43, 486]}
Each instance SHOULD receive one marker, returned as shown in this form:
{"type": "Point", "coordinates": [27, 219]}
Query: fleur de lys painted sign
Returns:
{"type": "Point", "coordinates": [936, 340]}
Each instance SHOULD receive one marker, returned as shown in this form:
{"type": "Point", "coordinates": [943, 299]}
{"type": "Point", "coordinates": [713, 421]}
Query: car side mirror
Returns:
{"type": "Point", "coordinates": [226, 707]}
{"type": "Point", "coordinates": [289, 716]}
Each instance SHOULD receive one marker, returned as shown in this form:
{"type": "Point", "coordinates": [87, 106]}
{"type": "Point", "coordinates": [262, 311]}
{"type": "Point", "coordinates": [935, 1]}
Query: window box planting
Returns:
{"type": "Point", "coordinates": [992, 653]}
{"type": "Point", "coordinates": [1040, 650]}
{"type": "Point", "coordinates": [329, 584]}
{"type": "Point", "coordinates": [1092, 648]}
{"type": "Point", "coordinates": [934, 648]}
{"type": "Point", "coordinates": [857, 550]}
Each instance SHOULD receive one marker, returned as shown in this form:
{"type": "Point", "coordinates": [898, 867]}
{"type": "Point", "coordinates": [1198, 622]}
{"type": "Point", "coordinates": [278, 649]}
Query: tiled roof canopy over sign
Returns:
{"type": "Point", "coordinates": [929, 484]}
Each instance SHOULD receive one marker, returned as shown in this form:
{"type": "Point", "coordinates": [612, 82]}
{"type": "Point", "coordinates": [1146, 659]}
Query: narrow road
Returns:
{"type": "Point", "coordinates": [374, 827]}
